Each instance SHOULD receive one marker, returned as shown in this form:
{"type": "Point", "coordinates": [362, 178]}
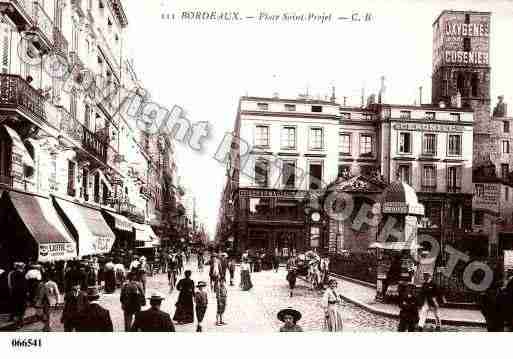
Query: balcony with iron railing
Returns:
{"type": "Point", "coordinates": [19, 11]}
{"type": "Point", "coordinates": [89, 141]}
{"type": "Point", "coordinates": [18, 95]}
{"type": "Point", "coordinates": [43, 28]}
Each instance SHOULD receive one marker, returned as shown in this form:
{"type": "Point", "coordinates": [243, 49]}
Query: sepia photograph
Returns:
{"type": "Point", "coordinates": [255, 168]}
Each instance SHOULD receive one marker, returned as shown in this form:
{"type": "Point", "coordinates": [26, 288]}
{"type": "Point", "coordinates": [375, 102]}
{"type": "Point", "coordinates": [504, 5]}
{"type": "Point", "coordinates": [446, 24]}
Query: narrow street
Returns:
{"type": "Point", "coordinates": [254, 311]}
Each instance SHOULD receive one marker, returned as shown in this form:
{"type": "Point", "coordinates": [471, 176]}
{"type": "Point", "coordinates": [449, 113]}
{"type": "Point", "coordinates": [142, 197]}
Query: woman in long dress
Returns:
{"type": "Point", "coordinates": [184, 313]}
{"type": "Point", "coordinates": [245, 277]}
{"type": "Point", "coordinates": [330, 302]}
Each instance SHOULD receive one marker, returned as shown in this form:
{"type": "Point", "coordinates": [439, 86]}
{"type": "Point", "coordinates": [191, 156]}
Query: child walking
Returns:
{"type": "Point", "coordinates": [221, 296]}
{"type": "Point", "coordinates": [201, 300]}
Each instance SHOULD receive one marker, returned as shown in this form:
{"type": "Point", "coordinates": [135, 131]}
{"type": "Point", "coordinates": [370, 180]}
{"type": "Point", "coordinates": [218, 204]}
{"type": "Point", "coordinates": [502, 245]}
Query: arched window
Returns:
{"type": "Point", "coordinates": [474, 83]}
{"type": "Point", "coordinates": [460, 83]}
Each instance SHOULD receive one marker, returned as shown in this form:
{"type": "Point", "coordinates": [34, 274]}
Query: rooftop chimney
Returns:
{"type": "Point", "coordinates": [420, 95]}
{"type": "Point", "coordinates": [381, 95]}
{"type": "Point", "coordinates": [333, 98]}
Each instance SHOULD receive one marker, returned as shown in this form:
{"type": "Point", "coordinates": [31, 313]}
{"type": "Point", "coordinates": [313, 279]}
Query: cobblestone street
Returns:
{"type": "Point", "coordinates": [254, 311]}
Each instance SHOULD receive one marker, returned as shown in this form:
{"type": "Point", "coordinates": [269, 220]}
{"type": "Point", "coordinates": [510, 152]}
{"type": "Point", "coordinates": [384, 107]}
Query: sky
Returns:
{"type": "Point", "coordinates": [205, 67]}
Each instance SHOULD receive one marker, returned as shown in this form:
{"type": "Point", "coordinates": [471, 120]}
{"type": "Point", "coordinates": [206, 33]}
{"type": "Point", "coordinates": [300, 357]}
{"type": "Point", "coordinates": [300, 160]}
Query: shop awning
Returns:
{"type": "Point", "coordinates": [94, 235]}
{"type": "Point", "coordinates": [19, 147]}
{"type": "Point", "coordinates": [44, 225]}
{"type": "Point", "coordinates": [145, 235]}
{"type": "Point", "coordinates": [395, 246]}
{"type": "Point", "coordinates": [121, 222]}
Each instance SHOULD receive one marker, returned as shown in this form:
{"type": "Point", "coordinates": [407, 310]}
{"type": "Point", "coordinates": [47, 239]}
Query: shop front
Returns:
{"type": "Point", "coordinates": [32, 231]}
{"type": "Point", "coordinates": [146, 241]}
{"type": "Point", "coordinates": [88, 227]}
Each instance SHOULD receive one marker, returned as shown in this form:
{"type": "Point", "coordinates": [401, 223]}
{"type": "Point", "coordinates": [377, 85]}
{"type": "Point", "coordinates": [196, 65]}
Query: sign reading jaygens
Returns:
{"type": "Point", "coordinates": [57, 252]}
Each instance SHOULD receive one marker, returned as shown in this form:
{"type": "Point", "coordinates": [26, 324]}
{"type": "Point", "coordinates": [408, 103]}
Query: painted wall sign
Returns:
{"type": "Point", "coordinates": [432, 127]}
{"type": "Point", "coordinates": [486, 196]}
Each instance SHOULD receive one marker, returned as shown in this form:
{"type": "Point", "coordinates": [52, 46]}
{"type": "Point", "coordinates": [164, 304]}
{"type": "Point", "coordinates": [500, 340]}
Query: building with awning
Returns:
{"type": "Point", "coordinates": [32, 230]}
{"type": "Point", "coordinates": [145, 237]}
{"type": "Point", "coordinates": [123, 229]}
{"type": "Point", "coordinates": [88, 227]}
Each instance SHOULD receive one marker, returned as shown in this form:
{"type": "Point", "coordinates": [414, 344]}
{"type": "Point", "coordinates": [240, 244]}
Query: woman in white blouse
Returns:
{"type": "Point", "coordinates": [245, 277]}
{"type": "Point", "coordinates": [330, 302]}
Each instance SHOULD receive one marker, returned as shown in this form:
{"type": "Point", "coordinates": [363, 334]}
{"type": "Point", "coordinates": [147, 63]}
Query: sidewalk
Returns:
{"type": "Point", "coordinates": [363, 296]}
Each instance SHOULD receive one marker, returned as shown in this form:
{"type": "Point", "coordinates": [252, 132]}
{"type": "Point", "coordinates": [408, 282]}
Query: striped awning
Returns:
{"type": "Point", "coordinates": [121, 222]}
{"type": "Point", "coordinates": [19, 147]}
{"type": "Point", "coordinates": [46, 228]}
{"type": "Point", "coordinates": [94, 234]}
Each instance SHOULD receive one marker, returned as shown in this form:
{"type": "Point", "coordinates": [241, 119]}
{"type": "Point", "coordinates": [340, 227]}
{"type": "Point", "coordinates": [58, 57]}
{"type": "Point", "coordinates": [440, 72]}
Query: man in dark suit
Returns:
{"type": "Point", "coordinates": [153, 319]}
{"type": "Point", "coordinates": [94, 318]}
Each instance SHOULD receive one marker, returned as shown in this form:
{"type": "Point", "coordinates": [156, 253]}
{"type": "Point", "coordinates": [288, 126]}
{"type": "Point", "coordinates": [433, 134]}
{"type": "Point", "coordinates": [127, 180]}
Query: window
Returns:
{"type": "Point", "coordinates": [87, 117]}
{"type": "Point", "coordinates": [345, 143]}
{"type": "Point", "coordinates": [5, 162]}
{"type": "Point", "coordinates": [430, 116]}
{"type": "Point", "coordinates": [96, 187]}
{"type": "Point", "coordinates": [429, 178]}
{"type": "Point", "coordinates": [344, 171]}
{"type": "Point", "coordinates": [429, 144]}
{"type": "Point", "coordinates": [71, 178]}
{"type": "Point", "coordinates": [316, 108]}
{"type": "Point", "coordinates": [368, 170]}
{"type": "Point", "coordinates": [403, 173]}
{"type": "Point", "coordinates": [405, 115]}
{"type": "Point", "coordinates": [506, 194]}
{"type": "Point", "coordinates": [454, 179]}
{"type": "Point", "coordinates": [479, 218]}
{"type": "Point", "coordinates": [288, 137]}
{"type": "Point", "coordinates": [73, 105]}
{"type": "Point", "coordinates": [316, 139]}
{"type": "Point", "coordinates": [505, 146]}
{"type": "Point", "coordinates": [263, 106]}
{"type": "Point", "coordinates": [405, 142]}
{"type": "Point", "coordinates": [454, 145]}
{"type": "Point", "coordinates": [467, 18]}
{"type": "Point", "coordinates": [289, 107]}
{"type": "Point", "coordinates": [455, 117]}
{"type": "Point", "coordinates": [262, 136]}
{"type": "Point", "coordinates": [315, 234]}
{"type": "Point", "coordinates": [289, 174]}
{"type": "Point", "coordinates": [85, 184]}
{"type": "Point", "coordinates": [345, 115]}
{"type": "Point", "coordinates": [262, 172]}
{"type": "Point", "coordinates": [506, 126]}
{"type": "Point", "coordinates": [466, 44]}
{"type": "Point", "coordinates": [365, 145]}
{"type": "Point", "coordinates": [504, 170]}
{"type": "Point", "coordinates": [315, 178]}
{"type": "Point", "coordinates": [474, 83]}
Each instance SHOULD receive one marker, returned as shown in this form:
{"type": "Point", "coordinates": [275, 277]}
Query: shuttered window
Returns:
{"type": "Point", "coordinates": [5, 39]}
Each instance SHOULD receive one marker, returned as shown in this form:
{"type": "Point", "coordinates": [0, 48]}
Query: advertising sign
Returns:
{"type": "Point", "coordinates": [486, 196]}
{"type": "Point", "coordinates": [57, 252]}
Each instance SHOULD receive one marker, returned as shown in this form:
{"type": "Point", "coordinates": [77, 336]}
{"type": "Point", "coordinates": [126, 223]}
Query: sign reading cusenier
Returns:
{"type": "Point", "coordinates": [461, 39]}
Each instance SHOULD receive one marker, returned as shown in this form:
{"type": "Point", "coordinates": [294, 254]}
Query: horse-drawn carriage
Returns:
{"type": "Point", "coordinates": [313, 268]}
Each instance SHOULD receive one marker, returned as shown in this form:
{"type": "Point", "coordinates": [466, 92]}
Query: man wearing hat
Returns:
{"type": "Point", "coordinates": [18, 289]}
{"type": "Point", "coordinates": [409, 314]}
{"type": "Point", "coordinates": [201, 299]}
{"type": "Point", "coordinates": [153, 319]}
{"type": "Point", "coordinates": [94, 318]}
{"type": "Point", "coordinates": [290, 317]}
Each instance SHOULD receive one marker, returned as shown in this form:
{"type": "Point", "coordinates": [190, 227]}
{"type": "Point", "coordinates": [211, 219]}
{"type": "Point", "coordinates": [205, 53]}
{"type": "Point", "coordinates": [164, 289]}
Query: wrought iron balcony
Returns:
{"type": "Point", "coordinates": [18, 95]}
{"type": "Point", "coordinates": [80, 134]}
{"type": "Point", "coordinates": [19, 11]}
{"type": "Point", "coordinates": [43, 28]}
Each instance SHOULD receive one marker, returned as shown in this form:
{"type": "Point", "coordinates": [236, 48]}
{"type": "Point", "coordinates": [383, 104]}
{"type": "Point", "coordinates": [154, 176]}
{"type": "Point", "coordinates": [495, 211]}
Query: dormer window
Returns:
{"type": "Point", "coordinates": [430, 116]}
{"type": "Point", "coordinates": [101, 6]}
{"type": "Point", "coordinates": [109, 22]}
{"type": "Point", "coordinates": [316, 108]}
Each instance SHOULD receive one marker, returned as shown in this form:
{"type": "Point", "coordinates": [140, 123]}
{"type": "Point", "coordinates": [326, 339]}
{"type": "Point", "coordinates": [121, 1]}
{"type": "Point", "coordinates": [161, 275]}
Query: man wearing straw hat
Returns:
{"type": "Point", "coordinates": [290, 317]}
{"type": "Point", "coordinates": [153, 319]}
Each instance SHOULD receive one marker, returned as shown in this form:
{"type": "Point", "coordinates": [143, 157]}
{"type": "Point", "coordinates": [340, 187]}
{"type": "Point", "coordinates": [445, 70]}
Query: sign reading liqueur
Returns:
{"type": "Point", "coordinates": [486, 196]}
{"type": "Point", "coordinates": [57, 252]}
